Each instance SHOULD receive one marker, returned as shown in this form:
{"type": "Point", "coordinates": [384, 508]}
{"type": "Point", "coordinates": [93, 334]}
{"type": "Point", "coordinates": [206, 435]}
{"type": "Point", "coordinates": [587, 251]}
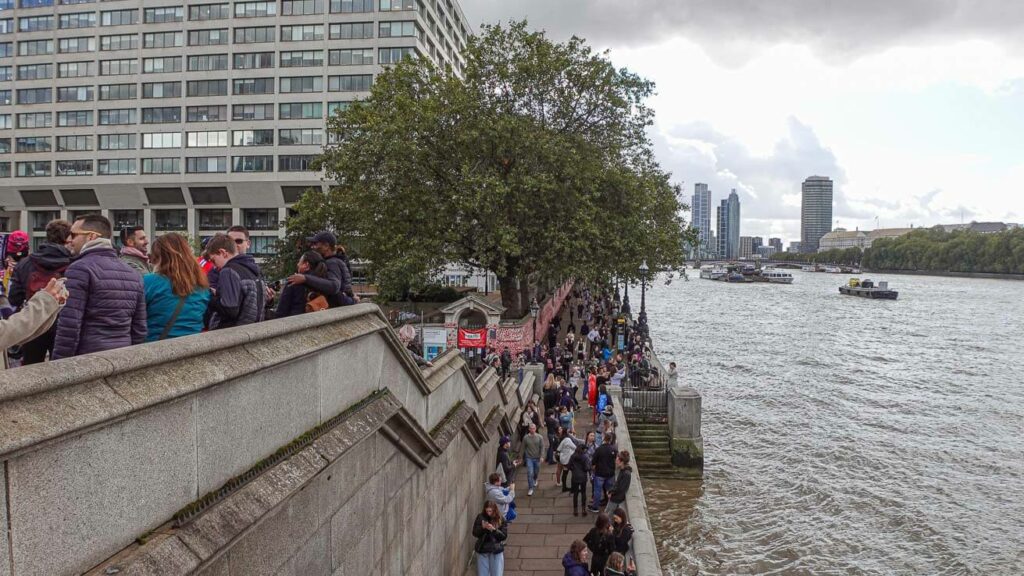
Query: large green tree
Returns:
{"type": "Point", "coordinates": [535, 164]}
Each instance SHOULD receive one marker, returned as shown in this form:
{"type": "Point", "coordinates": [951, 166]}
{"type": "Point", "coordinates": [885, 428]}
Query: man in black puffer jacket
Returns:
{"type": "Point", "coordinates": [337, 286]}
{"type": "Point", "coordinates": [31, 275]}
{"type": "Point", "coordinates": [240, 292]}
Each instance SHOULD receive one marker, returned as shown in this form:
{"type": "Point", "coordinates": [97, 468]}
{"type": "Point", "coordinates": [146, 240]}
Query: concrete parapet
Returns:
{"type": "Point", "coordinates": [684, 420]}
{"type": "Point", "coordinates": [645, 549]}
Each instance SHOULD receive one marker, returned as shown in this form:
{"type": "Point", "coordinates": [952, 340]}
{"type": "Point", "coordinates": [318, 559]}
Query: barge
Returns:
{"type": "Point", "coordinates": [868, 289]}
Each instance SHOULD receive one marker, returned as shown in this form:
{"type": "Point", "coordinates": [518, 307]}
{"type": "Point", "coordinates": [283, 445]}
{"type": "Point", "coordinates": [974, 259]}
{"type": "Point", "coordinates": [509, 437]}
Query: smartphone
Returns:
{"type": "Point", "coordinates": [63, 289]}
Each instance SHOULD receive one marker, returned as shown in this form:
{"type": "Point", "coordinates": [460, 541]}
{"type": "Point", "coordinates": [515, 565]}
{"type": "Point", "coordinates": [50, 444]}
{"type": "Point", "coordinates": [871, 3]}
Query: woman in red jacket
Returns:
{"type": "Point", "coordinates": [592, 392]}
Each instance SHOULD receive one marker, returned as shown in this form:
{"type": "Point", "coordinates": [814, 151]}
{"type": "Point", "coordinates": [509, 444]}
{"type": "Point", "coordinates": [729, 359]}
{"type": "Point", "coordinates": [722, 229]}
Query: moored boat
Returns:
{"type": "Point", "coordinates": [710, 272]}
{"type": "Point", "coordinates": [868, 289]}
{"type": "Point", "coordinates": [776, 276]}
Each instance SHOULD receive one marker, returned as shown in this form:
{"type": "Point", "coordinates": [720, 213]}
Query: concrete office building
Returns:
{"type": "Point", "coordinates": [775, 243]}
{"type": "Point", "coordinates": [701, 206]}
{"type": "Point", "coordinates": [189, 117]}
{"type": "Point", "coordinates": [816, 212]}
{"type": "Point", "coordinates": [728, 214]}
{"type": "Point", "coordinates": [746, 246]}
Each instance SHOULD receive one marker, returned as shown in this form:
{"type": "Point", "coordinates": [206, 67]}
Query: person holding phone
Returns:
{"type": "Point", "coordinates": [36, 317]}
{"type": "Point", "coordinates": [490, 531]}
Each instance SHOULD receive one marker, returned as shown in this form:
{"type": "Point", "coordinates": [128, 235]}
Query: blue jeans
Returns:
{"type": "Point", "coordinates": [490, 564]}
{"type": "Point", "coordinates": [532, 471]}
{"type": "Point", "coordinates": [552, 439]}
{"type": "Point", "coordinates": [600, 483]}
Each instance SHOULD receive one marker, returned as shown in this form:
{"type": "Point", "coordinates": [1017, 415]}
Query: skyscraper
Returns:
{"type": "Point", "coordinates": [728, 214]}
{"type": "Point", "coordinates": [701, 205]}
{"type": "Point", "coordinates": [775, 243]}
{"type": "Point", "coordinates": [815, 213]}
{"type": "Point", "coordinates": [189, 116]}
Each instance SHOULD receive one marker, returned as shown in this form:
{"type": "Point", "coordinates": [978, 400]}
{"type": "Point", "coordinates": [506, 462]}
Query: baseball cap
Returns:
{"type": "Point", "coordinates": [323, 237]}
{"type": "Point", "coordinates": [17, 242]}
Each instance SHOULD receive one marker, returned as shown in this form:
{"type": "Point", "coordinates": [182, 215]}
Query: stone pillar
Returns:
{"type": "Point", "coordinates": [538, 377]}
{"type": "Point", "coordinates": [687, 445]}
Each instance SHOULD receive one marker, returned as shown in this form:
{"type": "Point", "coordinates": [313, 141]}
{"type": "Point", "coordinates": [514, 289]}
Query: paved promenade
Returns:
{"type": "Point", "coordinates": [545, 528]}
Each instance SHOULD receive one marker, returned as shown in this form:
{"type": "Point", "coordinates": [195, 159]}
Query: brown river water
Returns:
{"type": "Point", "coordinates": [845, 435]}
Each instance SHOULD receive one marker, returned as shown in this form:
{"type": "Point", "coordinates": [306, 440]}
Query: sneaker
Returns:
{"type": "Point", "coordinates": [530, 493]}
{"type": "Point", "coordinates": [594, 510]}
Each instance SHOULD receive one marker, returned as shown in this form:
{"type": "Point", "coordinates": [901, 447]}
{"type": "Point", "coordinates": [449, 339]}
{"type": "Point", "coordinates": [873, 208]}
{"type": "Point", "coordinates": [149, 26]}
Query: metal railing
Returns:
{"type": "Point", "coordinates": [645, 392]}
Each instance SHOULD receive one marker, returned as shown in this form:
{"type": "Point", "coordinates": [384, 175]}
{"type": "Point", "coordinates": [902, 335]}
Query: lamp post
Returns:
{"type": "Point", "coordinates": [534, 310]}
{"type": "Point", "coordinates": [642, 318]}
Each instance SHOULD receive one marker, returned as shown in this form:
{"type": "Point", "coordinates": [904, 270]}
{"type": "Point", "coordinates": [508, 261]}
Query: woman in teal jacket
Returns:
{"type": "Point", "coordinates": [177, 292]}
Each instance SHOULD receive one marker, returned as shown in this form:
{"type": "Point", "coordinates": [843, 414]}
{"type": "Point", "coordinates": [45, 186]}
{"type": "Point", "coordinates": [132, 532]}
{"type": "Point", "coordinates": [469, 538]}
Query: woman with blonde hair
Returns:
{"type": "Point", "coordinates": [177, 291]}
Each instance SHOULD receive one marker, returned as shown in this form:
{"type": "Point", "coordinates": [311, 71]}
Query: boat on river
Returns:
{"type": "Point", "coordinates": [868, 289]}
{"type": "Point", "coordinates": [776, 276]}
{"type": "Point", "coordinates": [711, 272]}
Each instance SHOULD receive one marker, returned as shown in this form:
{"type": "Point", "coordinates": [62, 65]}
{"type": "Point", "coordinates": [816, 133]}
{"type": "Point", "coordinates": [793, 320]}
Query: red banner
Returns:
{"type": "Point", "coordinates": [472, 338]}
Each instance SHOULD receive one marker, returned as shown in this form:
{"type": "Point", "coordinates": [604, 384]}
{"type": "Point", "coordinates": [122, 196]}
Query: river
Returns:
{"type": "Point", "coordinates": [845, 435]}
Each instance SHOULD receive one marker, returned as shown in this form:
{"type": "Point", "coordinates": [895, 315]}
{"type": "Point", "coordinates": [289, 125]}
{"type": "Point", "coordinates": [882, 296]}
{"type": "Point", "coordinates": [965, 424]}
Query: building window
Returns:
{"type": "Point", "coordinates": [163, 65]}
{"type": "Point", "coordinates": [303, 33]}
{"type": "Point", "coordinates": [37, 169]}
{"type": "Point", "coordinates": [397, 5]}
{"type": "Point", "coordinates": [118, 91]}
{"type": "Point", "coordinates": [170, 220]}
{"type": "Point", "coordinates": [207, 88]}
{"type": "Point", "coordinates": [166, 115]}
{"type": "Point", "coordinates": [116, 116]}
{"type": "Point", "coordinates": [252, 112]}
{"type": "Point", "coordinates": [163, 14]}
{"type": "Point", "coordinates": [118, 17]}
{"type": "Point", "coordinates": [116, 166]}
{"type": "Point", "coordinates": [75, 69]}
{"type": "Point", "coordinates": [403, 29]}
{"type": "Point", "coordinates": [351, 57]}
{"type": "Point", "coordinates": [301, 110]}
{"type": "Point", "coordinates": [244, 86]}
{"type": "Point", "coordinates": [5, 121]}
{"type": "Point", "coordinates": [260, 218]}
{"type": "Point", "coordinates": [396, 55]}
{"type": "Point", "coordinates": [209, 12]}
{"type": "Point", "coordinates": [74, 94]}
{"type": "Point", "coordinates": [300, 7]}
{"type": "Point", "coordinates": [208, 37]}
{"type": "Point", "coordinates": [214, 218]}
{"type": "Point", "coordinates": [119, 67]}
{"type": "Point", "coordinates": [31, 144]}
{"type": "Point", "coordinates": [300, 137]}
{"type": "Point", "coordinates": [254, 35]}
{"type": "Point", "coordinates": [252, 163]}
{"type": "Point", "coordinates": [74, 167]}
{"type": "Point", "coordinates": [161, 140]}
{"type": "Point", "coordinates": [206, 164]}
{"type": "Point", "coordinates": [6, 49]}
{"type": "Point", "coordinates": [352, 83]}
{"type": "Point", "coordinates": [161, 165]}
{"type": "Point", "coordinates": [35, 120]}
{"type": "Point", "coordinates": [35, 47]}
{"type": "Point", "coordinates": [76, 45]}
{"type": "Point", "coordinates": [35, 96]}
{"type": "Point", "coordinates": [254, 60]}
{"type": "Point", "coordinates": [74, 143]}
{"type": "Point", "coordinates": [162, 39]}
{"type": "Point", "coordinates": [75, 118]}
{"type": "Point", "coordinates": [255, 9]}
{"type": "Point", "coordinates": [126, 218]}
{"type": "Point", "coordinates": [35, 71]}
{"type": "Point", "coordinates": [117, 141]}
{"type": "Point", "coordinates": [78, 20]}
{"type": "Point", "coordinates": [252, 138]}
{"type": "Point", "coordinates": [351, 31]}
{"type": "Point", "coordinates": [39, 219]}
{"type": "Point", "coordinates": [301, 84]}
{"type": "Point", "coordinates": [207, 62]}
{"type": "Point", "coordinates": [302, 58]}
{"type": "Point", "coordinates": [35, 23]}
{"type": "Point", "coordinates": [207, 113]}
{"type": "Point", "coordinates": [161, 89]}
{"type": "Point", "coordinates": [208, 139]}
{"type": "Point", "coordinates": [351, 6]}
{"type": "Point", "coordinates": [263, 245]}
{"type": "Point", "coordinates": [295, 162]}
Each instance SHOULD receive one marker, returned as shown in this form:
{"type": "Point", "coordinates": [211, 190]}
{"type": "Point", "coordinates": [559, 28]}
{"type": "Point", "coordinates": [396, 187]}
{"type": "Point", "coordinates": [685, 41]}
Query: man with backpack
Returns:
{"type": "Point", "coordinates": [240, 294]}
{"type": "Point", "coordinates": [32, 274]}
{"type": "Point", "coordinates": [337, 285]}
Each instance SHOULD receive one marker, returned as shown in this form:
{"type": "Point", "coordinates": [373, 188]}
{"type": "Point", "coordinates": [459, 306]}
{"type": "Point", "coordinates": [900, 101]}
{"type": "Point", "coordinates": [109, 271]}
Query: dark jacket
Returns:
{"type": "Point", "coordinates": [604, 461]}
{"type": "Point", "coordinates": [578, 468]}
{"type": "Point", "coordinates": [551, 422]}
{"type": "Point", "coordinates": [240, 294]}
{"type": "Point", "coordinates": [572, 567]}
{"type": "Point", "coordinates": [601, 545]}
{"type": "Point", "coordinates": [49, 257]}
{"type": "Point", "coordinates": [506, 464]}
{"type": "Point", "coordinates": [617, 493]}
{"type": "Point", "coordinates": [292, 301]}
{"type": "Point", "coordinates": [489, 541]}
{"type": "Point", "coordinates": [106, 306]}
{"type": "Point", "coordinates": [622, 538]}
{"type": "Point", "coordinates": [337, 285]}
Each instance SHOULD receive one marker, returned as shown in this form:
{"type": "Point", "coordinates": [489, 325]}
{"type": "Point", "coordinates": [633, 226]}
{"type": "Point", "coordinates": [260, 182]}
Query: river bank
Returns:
{"type": "Point", "coordinates": [941, 274]}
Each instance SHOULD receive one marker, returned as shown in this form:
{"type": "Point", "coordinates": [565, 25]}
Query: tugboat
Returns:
{"type": "Point", "coordinates": [867, 289]}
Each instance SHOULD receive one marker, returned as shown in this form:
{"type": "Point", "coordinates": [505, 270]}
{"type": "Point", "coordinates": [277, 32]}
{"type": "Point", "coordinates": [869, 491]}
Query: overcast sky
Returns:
{"type": "Point", "coordinates": [915, 108]}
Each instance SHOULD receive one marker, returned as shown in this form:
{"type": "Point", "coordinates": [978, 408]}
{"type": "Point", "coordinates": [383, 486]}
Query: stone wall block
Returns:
{"type": "Point", "coordinates": [278, 536]}
{"type": "Point", "coordinates": [220, 567]}
{"type": "Point", "coordinates": [314, 558]}
{"type": "Point", "coordinates": [346, 476]}
{"type": "Point", "coordinates": [349, 524]}
{"type": "Point", "coordinates": [394, 375]}
{"type": "Point", "coordinates": [244, 421]}
{"type": "Point", "coordinates": [349, 373]}
{"type": "Point", "coordinates": [113, 483]}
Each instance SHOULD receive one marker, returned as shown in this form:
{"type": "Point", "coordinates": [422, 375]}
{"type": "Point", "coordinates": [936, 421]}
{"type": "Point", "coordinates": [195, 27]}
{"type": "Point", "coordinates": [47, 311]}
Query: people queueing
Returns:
{"type": "Point", "coordinates": [490, 530]}
{"type": "Point", "coordinates": [336, 285]}
{"type": "Point", "coordinates": [177, 291]}
{"type": "Point", "coordinates": [106, 305]}
{"type": "Point", "coordinates": [617, 566]}
{"type": "Point", "coordinates": [300, 297]}
{"type": "Point", "coordinates": [502, 496]}
{"type": "Point", "coordinates": [620, 486]}
{"type": "Point", "coordinates": [135, 249]}
{"type": "Point", "coordinates": [36, 316]}
{"type": "Point", "coordinates": [33, 274]}
{"type": "Point", "coordinates": [578, 475]}
{"type": "Point", "coordinates": [533, 449]}
{"type": "Point", "coordinates": [601, 543]}
{"type": "Point", "coordinates": [575, 560]}
{"type": "Point", "coordinates": [240, 293]}
{"type": "Point", "coordinates": [604, 470]}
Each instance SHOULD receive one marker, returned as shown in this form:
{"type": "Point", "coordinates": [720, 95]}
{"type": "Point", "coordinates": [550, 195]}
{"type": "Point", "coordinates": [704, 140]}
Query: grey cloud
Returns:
{"type": "Point", "coordinates": [734, 30]}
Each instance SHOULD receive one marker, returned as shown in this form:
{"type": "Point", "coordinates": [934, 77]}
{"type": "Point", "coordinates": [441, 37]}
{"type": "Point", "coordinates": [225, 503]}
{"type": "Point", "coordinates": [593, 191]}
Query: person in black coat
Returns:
{"type": "Point", "coordinates": [490, 531]}
{"type": "Point", "coordinates": [295, 296]}
{"type": "Point", "coordinates": [620, 487]}
{"type": "Point", "coordinates": [622, 531]}
{"type": "Point", "coordinates": [508, 466]}
{"type": "Point", "coordinates": [599, 541]}
{"type": "Point", "coordinates": [579, 471]}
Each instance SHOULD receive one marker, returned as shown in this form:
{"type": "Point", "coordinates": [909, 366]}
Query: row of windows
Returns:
{"type": "Point", "coordinates": [251, 9]}
{"type": "Point", "coordinates": [173, 218]}
{"type": "Point", "coordinates": [205, 139]}
{"type": "Point", "coordinates": [212, 37]}
{"type": "Point", "coordinates": [193, 88]}
{"type": "Point", "coordinates": [130, 166]}
{"type": "Point", "coordinates": [164, 115]}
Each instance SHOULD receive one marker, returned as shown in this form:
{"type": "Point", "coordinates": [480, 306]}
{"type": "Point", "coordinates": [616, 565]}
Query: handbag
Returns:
{"type": "Point", "coordinates": [316, 303]}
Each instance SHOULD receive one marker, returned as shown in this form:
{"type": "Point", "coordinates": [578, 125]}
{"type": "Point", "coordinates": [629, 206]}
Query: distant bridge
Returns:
{"type": "Point", "coordinates": [762, 262]}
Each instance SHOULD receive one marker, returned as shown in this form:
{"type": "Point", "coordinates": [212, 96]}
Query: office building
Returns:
{"type": "Point", "coordinates": [766, 251]}
{"type": "Point", "coordinates": [775, 243]}
{"type": "Point", "coordinates": [756, 243]}
{"type": "Point", "coordinates": [728, 214]}
{"type": "Point", "coordinates": [190, 117]}
{"type": "Point", "coordinates": [746, 247]}
{"type": "Point", "coordinates": [816, 212]}
{"type": "Point", "coordinates": [701, 207]}
{"type": "Point", "coordinates": [794, 247]}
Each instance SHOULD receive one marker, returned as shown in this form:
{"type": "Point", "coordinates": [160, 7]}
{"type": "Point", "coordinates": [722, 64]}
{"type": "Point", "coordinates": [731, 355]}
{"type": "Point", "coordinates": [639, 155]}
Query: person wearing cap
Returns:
{"type": "Point", "coordinates": [17, 250]}
{"type": "Point", "coordinates": [135, 249]}
{"type": "Point", "coordinates": [508, 465]}
{"type": "Point", "coordinates": [337, 285]}
{"type": "Point", "coordinates": [49, 261]}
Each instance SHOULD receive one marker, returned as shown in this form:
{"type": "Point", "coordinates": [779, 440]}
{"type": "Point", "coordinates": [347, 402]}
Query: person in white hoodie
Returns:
{"type": "Point", "coordinates": [494, 492]}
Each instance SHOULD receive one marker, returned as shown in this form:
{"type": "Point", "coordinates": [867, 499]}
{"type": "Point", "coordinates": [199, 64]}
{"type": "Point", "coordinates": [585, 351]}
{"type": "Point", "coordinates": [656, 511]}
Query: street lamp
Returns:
{"type": "Point", "coordinates": [642, 318]}
{"type": "Point", "coordinates": [534, 310]}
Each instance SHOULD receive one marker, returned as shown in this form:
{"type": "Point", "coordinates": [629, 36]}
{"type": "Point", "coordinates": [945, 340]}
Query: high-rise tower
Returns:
{"type": "Point", "coordinates": [815, 213]}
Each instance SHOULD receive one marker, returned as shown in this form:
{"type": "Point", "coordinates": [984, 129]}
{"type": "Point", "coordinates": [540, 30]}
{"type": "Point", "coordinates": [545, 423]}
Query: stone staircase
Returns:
{"type": "Point", "coordinates": [652, 455]}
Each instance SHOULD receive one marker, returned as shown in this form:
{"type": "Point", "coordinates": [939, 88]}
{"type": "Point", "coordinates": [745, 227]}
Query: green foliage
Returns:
{"type": "Point", "coordinates": [936, 250]}
{"type": "Point", "coordinates": [536, 166]}
{"type": "Point", "coordinates": [839, 256]}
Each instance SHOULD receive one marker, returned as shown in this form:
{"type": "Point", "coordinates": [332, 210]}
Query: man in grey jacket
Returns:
{"type": "Point", "coordinates": [494, 492]}
{"type": "Point", "coordinates": [533, 450]}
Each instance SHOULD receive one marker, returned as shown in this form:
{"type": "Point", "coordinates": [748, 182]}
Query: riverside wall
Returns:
{"type": "Point", "coordinates": [160, 458]}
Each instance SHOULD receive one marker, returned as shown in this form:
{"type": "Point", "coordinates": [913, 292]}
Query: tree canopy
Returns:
{"type": "Point", "coordinates": [958, 251]}
{"type": "Point", "coordinates": [535, 165]}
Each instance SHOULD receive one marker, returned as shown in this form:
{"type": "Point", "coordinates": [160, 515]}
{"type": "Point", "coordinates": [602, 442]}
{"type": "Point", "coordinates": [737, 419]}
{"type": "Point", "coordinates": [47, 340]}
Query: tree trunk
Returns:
{"type": "Point", "coordinates": [509, 286]}
{"type": "Point", "coordinates": [525, 295]}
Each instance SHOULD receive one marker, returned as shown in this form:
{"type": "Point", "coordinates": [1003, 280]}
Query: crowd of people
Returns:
{"type": "Point", "coordinates": [589, 467]}
{"type": "Point", "coordinates": [79, 293]}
